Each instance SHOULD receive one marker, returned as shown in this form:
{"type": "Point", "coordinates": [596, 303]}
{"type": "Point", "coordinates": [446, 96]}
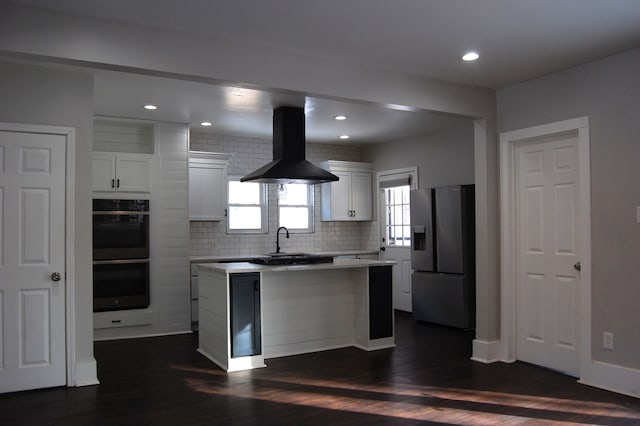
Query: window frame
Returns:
{"type": "Point", "coordinates": [264, 209]}
{"type": "Point", "coordinates": [311, 205]}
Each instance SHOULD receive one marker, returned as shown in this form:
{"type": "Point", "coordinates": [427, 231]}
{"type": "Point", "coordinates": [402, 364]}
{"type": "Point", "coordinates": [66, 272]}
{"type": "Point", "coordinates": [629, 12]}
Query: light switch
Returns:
{"type": "Point", "coordinates": [638, 214]}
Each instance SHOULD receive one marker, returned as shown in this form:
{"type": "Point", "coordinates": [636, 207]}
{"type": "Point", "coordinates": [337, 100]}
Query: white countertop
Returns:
{"type": "Point", "coordinates": [238, 267]}
{"type": "Point", "coordinates": [240, 257]}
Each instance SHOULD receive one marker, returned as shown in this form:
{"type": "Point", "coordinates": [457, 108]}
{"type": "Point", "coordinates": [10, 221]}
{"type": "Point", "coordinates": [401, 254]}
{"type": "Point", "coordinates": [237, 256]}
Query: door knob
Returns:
{"type": "Point", "coordinates": [56, 276]}
{"type": "Point", "coordinates": [577, 266]}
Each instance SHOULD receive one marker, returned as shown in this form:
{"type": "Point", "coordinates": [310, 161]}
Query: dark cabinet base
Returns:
{"type": "Point", "coordinates": [380, 302]}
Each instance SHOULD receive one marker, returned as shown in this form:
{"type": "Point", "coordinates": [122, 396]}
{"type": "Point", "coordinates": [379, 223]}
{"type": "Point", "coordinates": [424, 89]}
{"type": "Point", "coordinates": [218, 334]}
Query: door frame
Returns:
{"type": "Point", "coordinates": [509, 141]}
{"type": "Point", "coordinates": [69, 134]}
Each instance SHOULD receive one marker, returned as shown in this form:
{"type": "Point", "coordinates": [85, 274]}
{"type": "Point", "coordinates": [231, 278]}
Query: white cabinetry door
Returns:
{"type": "Point", "coordinates": [133, 173]}
{"type": "Point", "coordinates": [122, 172]}
{"type": "Point", "coordinates": [350, 197]}
{"type": "Point", "coordinates": [207, 186]}
{"type": "Point", "coordinates": [340, 198]}
{"type": "Point", "coordinates": [104, 171]}
{"type": "Point", "coordinates": [361, 196]}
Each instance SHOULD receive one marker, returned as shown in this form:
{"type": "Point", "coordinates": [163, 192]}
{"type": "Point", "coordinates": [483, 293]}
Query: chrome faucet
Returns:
{"type": "Point", "coordinates": [278, 238]}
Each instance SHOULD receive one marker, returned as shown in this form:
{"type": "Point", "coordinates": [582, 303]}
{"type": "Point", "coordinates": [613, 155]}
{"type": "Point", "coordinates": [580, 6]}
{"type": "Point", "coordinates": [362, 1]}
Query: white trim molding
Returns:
{"type": "Point", "coordinates": [86, 373]}
{"type": "Point", "coordinates": [508, 144]}
{"type": "Point", "coordinates": [613, 378]}
{"type": "Point", "coordinates": [486, 352]}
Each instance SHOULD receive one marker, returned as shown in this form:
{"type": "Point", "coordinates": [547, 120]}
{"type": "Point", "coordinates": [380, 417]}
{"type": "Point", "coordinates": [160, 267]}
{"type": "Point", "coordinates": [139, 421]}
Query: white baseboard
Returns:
{"type": "Point", "coordinates": [613, 378]}
{"type": "Point", "coordinates": [486, 352]}
{"type": "Point", "coordinates": [140, 336]}
{"type": "Point", "coordinates": [86, 373]}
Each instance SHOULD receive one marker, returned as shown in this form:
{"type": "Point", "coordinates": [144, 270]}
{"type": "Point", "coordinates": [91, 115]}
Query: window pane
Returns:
{"type": "Point", "coordinates": [294, 217]}
{"type": "Point", "coordinates": [293, 194]}
{"type": "Point", "coordinates": [244, 217]}
{"type": "Point", "coordinates": [244, 192]}
{"type": "Point", "coordinates": [398, 216]}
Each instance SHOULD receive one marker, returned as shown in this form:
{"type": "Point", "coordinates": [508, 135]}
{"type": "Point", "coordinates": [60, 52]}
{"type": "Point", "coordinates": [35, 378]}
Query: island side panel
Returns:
{"type": "Point", "coordinates": [361, 313]}
{"type": "Point", "coordinates": [213, 313]}
{"type": "Point", "coordinates": [307, 311]}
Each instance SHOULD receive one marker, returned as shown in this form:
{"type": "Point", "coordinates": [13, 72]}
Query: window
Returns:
{"type": "Point", "coordinates": [295, 206]}
{"type": "Point", "coordinates": [247, 207]}
{"type": "Point", "coordinates": [397, 229]}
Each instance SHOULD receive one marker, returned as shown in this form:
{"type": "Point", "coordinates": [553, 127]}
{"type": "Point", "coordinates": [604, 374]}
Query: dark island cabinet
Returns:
{"type": "Point", "coordinates": [380, 302]}
{"type": "Point", "coordinates": [245, 324]}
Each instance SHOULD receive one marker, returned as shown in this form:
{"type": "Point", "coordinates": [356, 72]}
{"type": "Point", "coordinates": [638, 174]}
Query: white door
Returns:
{"type": "Point", "coordinates": [341, 196]}
{"type": "Point", "coordinates": [133, 172]}
{"type": "Point", "coordinates": [548, 281]}
{"type": "Point", "coordinates": [361, 196]}
{"type": "Point", "coordinates": [395, 241]}
{"type": "Point", "coordinates": [32, 225]}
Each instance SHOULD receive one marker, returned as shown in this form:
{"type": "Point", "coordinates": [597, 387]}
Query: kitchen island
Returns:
{"type": "Point", "coordinates": [250, 312]}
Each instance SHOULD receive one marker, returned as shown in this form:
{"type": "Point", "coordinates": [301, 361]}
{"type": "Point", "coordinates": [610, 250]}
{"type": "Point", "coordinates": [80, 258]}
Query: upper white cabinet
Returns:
{"type": "Point", "coordinates": [350, 198]}
{"type": "Point", "coordinates": [122, 172]}
{"type": "Point", "coordinates": [207, 185]}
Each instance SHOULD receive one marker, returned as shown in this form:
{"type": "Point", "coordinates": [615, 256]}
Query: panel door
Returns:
{"type": "Point", "coordinates": [32, 223]}
{"type": "Point", "coordinates": [341, 197]}
{"type": "Point", "coordinates": [133, 173]}
{"type": "Point", "coordinates": [104, 171]}
{"type": "Point", "coordinates": [361, 196]}
{"type": "Point", "coordinates": [207, 192]}
{"type": "Point", "coordinates": [548, 287]}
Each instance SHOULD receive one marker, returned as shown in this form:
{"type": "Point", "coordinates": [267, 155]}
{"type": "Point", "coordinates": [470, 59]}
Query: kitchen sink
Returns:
{"type": "Point", "coordinates": [291, 259]}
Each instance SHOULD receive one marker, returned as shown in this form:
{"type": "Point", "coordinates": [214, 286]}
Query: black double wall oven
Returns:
{"type": "Point", "coordinates": [120, 254]}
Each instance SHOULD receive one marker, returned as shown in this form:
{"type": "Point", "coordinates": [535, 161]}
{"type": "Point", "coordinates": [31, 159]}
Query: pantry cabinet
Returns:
{"type": "Point", "coordinates": [121, 172]}
{"type": "Point", "coordinates": [350, 198]}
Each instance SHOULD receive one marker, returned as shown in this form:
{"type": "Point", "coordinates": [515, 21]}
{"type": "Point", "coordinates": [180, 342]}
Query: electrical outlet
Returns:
{"type": "Point", "coordinates": [607, 340]}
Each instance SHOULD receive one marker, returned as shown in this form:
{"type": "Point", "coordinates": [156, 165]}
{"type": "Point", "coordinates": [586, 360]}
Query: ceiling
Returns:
{"type": "Point", "coordinates": [517, 40]}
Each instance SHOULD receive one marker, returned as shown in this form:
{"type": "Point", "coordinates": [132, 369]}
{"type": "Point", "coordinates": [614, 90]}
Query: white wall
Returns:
{"type": "Point", "coordinates": [608, 92]}
{"type": "Point", "coordinates": [211, 238]}
{"type": "Point", "coordinates": [36, 95]}
{"type": "Point", "coordinates": [443, 158]}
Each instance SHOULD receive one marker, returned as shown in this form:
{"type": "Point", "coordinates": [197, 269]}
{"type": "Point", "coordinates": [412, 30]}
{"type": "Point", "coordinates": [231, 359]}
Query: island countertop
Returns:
{"type": "Point", "coordinates": [239, 267]}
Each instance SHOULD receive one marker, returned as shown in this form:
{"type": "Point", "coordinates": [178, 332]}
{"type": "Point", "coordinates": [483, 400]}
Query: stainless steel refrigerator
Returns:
{"type": "Point", "coordinates": [443, 255]}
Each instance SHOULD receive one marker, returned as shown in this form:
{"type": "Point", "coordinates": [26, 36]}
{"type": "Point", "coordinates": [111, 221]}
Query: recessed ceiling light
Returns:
{"type": "Point", "coordinates": [205, 124]}
{"type": "Point", "coordinates": [470, 56]}
{"type": "Point", "coordinates": [340, 117]}
{"type": "Point", "coordinates": [344, 136]}
{"type": "Point", "coordinates": [150, 107]}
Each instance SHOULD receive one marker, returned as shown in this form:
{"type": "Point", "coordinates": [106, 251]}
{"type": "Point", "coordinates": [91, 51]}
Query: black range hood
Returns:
{"type": "Point", "coordinates": [289, 164]}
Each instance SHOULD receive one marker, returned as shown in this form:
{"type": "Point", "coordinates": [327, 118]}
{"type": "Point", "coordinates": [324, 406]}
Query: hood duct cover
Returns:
{"type": "Point", "coordinates": [289, 164]}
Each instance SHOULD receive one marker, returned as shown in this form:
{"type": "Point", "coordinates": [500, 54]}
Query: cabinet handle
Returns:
{"type": "Point", "coordinates": [225, 213]}
{"type": "Point", "coordinates": [113, 183]}
{"type": "Point", "coordinates": [117, 183]}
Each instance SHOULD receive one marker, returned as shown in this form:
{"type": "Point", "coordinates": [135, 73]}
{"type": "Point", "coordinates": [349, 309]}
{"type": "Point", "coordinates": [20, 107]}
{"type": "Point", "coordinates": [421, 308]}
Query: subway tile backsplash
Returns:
{"type": "Point", "coordinates": [211, 238]}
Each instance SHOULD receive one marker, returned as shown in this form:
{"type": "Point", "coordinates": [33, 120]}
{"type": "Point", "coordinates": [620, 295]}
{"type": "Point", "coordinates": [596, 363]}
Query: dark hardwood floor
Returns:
{"type": "Point", "coordinates": [427, 378]}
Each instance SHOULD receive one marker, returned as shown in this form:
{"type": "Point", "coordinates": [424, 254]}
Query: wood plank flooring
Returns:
{"type": "Point", "coordinates": [427, 379]}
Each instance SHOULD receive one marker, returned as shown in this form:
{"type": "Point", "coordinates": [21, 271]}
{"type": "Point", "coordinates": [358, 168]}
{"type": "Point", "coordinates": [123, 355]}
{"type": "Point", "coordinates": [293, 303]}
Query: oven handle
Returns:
{"type": "Point", "coordinates": [119, 261]}
{"type": "Point", "coordinates": [120, 213]}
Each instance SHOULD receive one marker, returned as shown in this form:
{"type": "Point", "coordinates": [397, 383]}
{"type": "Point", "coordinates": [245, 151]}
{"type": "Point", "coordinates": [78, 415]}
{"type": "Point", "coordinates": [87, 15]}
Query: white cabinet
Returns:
{"type": "Point", "coordinates": [350, 198]}
{"type": "Point", "coordinates": [122, 172]}
{"type": "Point", "coordinates": [207, 185]}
